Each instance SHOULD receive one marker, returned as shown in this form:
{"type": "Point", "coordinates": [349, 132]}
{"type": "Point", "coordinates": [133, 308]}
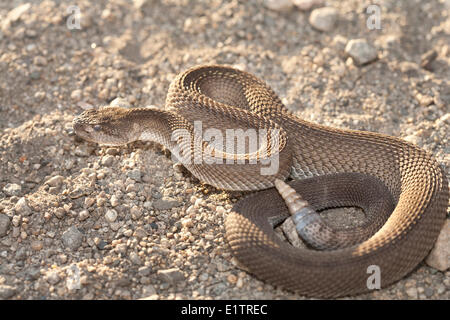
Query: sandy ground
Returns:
{"type": "Point", "coordinates": [82, 221]}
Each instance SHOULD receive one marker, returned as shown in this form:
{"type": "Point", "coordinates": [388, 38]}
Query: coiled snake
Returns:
{"type": "Point", "coordinates": [401, 188]}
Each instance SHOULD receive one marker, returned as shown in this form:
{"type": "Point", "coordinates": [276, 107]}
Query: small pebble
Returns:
{"type": "Point", "coordinates": [55, 181]}
{"type": "Point", "coordinates": [190, 210]}
{"type": "Point", "coordinates": [279, 5]}
{"type": "Point", "coordinates": [16, 220]}
{"type": "Point", "coordinates": [199, 203]}
{"type": "Point", "coordinates": [112, 151]}
{"type": "Point", "coordinates": [40, 61]}
{"type": "Point", "coordinates": [114, 201]}
{"type": "Point", "coordinates": [361, 51]}
{"type": "Point", "coordinates": [4, 224]}
{"type": "Point", "coordinates": [439, 257]}
{"type": "Point", "coordinates": [72, 238]}
{"type": "Point", "coordinates": [162, 204]}
{"type": "Point", "coordinates": [413, 139]}
{"type": "Point", "coordinates": [411, 292]}
{"type": "Point", "coordinates": [37, 245]}
{"type": "Point", "coordinates": [121, 248]}
{"type": "Point", "coordinates": [135, 174]}
{"type": "Point", "coordinates": [111, 215]}
{"type": "Point", "coordinates": [76, 95]}
{"type": "Point", "coordinates": [323, 19]}
{"type": "Point", "coordinates": [107, 160]}
{"type": "Point", "coordinates": [307, 4]}
{"type": "Point", "coordinates": [409, 68]}
{"type": "Point", "coordinates": [427, 59]}
{"type": "Point", "coordinates": [22, 207]}
{"type": "Point", "coordinates": [144, 271]}
{"type": "Point", "coordinates": [149, 291]}
{"type": "Point", "coordinates": [232, 279]}
{"type": "Point", "coordinates": [100, 201]}
{"type": "Point", "coordinates": [172, 276]}
{"type": "Point", "coordinates": [220, 210]}
{"type": "Point", "coordinates": [89, 201]}
{"type": "Point", "coordinates": [12, 189]}
{"type": "Point", "coordinates": [6, 291]}
{"type": "Point", "coordinates": [140, 233]}
{"type": "Point", "coordinates": [35, 75]}
{"type": "Point", "coordinates": [118, 102]}
{"type": "Point", "coordinates": [30, 33]}
{"type": "Point", "coordinates": [135, 212]}
{"type": "Point", "coordinates": [52, 277]}
{"type": "Point", "coordinates": [187, 222]}
{"type": "Point", "coordinates": [62, 258]}
{"type": "Point", "coordinates": [429, 292]}
{"type": "Point", "coordinates": [83, 215]}
{"type": "Point", "coordinates": [40, 95]}
{"type": "Point", "coordinates": [134, 257]}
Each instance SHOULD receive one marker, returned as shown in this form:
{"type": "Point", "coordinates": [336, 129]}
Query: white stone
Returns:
{"type": "Point", "coordinates": [14, 15]}
{"type": "Point", "coordinates": [279, 5]}
{"type": "Point", "coordinates": [114, 201]}
{"type": "Point", "coordinates": [83, 215]}
{"type": "Point", "coordinates": [22, 207]}
{"type": "Point", "coordinates": [439, 257]}
{"type": "Point", "coordinates": [4, 224]}
{"type": "Point", "coordinates": [307, 4]}
{"type": "Point", "coordinates": [361, 51]}
{"type": "Point", "coordinates": [72, 238]}
{"type": "Point", "coordinates": [187, 222]}
{"type": "Point", "coordinates": [411, 292]}
{"type": "Point", "coordinates": [55, 181]}
{"type": "Point", "coordinates": [52, 277]}
{"type": "Point", "coordinates": [111, 215]}
{"type": "Point", "coordinates": [12, 189]}
{"type": "Point", "coordinates": [323, 19]}
{"type": "Point", "coordinates": [120, 102]}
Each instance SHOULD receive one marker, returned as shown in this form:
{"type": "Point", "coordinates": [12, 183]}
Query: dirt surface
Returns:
{"type": "Point", "coordinates": [84, 222]}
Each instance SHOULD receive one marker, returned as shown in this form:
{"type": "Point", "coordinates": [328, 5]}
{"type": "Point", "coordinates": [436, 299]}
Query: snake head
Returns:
{"type": "Point", "coordinates": [108, 126]}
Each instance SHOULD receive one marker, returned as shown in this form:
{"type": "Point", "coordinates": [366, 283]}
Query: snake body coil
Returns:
{"type": "Point", "coordinates": [401, 188]}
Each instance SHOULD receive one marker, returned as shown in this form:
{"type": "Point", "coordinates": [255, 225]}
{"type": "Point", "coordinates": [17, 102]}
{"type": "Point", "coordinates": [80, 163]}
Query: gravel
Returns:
{"type": "Point", "coordinates": [129, 222]}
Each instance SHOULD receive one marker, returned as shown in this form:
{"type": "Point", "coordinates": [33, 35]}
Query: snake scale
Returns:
{"type": "Point", "coordinates": [401, 188]}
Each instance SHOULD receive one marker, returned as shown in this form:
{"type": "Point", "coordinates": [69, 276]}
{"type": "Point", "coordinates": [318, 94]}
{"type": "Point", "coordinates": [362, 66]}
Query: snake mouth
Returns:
{"type": "Point", "coordinates": [89, 133]}
{"type": "Point", "coordinates": [82, 129]}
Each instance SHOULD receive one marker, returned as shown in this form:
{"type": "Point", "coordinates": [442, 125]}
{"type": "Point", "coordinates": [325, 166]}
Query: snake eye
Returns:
{"type": "Point", "coordinates": [97, 127]}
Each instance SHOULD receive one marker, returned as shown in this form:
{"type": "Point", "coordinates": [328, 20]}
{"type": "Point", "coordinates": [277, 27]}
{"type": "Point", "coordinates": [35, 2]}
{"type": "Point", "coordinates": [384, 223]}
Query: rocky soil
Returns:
{"type": "Point", "coordinates": [79, 221]}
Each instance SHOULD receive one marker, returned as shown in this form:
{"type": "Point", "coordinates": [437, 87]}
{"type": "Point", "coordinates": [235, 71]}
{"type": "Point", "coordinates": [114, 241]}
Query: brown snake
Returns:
{"type": "Point", "coordinates": [401, 188]}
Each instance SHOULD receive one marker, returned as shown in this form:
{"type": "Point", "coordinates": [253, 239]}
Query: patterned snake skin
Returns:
{"type": "Point", "coordinates": [401, 188]}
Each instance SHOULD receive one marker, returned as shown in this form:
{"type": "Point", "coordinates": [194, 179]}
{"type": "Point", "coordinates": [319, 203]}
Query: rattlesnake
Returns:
{"type": "Point", "coordinates": [401, 188]}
